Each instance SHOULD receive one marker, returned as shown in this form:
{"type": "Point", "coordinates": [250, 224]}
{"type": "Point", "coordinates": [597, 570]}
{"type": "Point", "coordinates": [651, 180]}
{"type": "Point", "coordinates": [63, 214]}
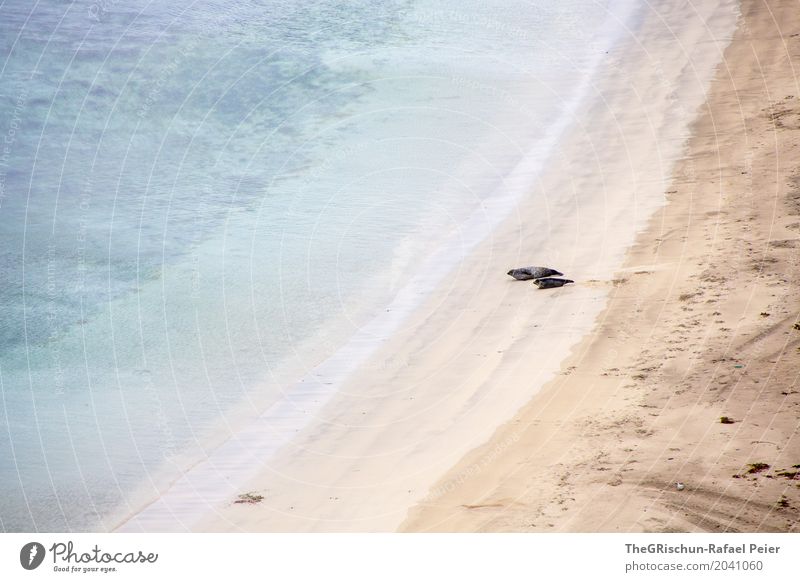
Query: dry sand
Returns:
{"type": "Point", "coordinates": [701, 323]}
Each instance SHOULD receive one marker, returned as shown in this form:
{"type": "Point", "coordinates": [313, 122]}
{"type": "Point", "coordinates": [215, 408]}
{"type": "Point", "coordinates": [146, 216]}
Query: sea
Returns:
{"type": "Point", "coordinates": [201, 201]}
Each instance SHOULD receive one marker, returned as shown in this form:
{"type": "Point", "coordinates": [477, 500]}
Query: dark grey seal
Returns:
{"type": "Point", "coordinates": [551, 282]}
{"type": "Point", "coordinates": [525, 273]}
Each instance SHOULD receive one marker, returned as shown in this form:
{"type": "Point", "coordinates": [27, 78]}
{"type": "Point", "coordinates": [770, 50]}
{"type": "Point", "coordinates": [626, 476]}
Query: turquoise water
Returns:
{"type": "Point", "coordinates": [200, 202]}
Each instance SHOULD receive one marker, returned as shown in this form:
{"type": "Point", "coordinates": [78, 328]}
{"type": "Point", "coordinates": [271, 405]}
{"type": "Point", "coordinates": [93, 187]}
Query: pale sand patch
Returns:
{"type": "Point", "coordinates": [702, 324]}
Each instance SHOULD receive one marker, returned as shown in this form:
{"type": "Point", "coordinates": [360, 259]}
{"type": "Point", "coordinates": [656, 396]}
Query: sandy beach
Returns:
{"type": "Point", "coordinates": [701, 325]}
{"type": "Point", "coordinates": [498, 407]}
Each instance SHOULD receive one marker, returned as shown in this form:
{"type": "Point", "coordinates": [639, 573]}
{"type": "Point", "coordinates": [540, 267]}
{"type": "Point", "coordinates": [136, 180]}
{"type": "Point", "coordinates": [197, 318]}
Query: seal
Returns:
{"type": "Point", "coordinates": [551, 282]}
{"type": "Point", "coordinates": [525, 273]}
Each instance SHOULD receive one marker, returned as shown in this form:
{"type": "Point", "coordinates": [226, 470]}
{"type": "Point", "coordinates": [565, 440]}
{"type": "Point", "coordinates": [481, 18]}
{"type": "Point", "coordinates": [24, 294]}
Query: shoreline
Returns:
{"type": "Point", "coordinates": [460, 366]}
{"type": "Point", "coordinates": [200, 487]}
{"type": "Point", "coordinates": [701, 327]}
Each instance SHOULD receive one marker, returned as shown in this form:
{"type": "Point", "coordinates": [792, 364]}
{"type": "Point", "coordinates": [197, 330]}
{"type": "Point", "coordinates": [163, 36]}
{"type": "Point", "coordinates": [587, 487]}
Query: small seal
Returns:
{"type": "Point", "coordinates": [525, 273]}
{"type": "Point", "coordinates": [551, 282]}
